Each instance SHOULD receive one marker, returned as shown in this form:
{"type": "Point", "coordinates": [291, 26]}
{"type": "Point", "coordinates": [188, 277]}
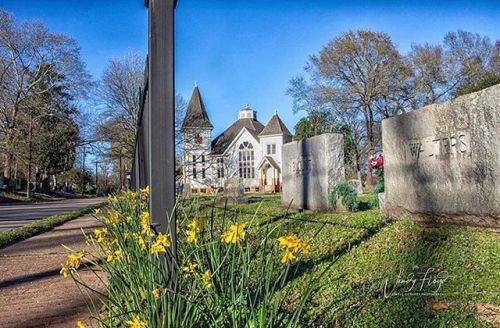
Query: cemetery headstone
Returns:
{"type": "Point", "coordinates": [381, 201]}
{"type": "Point", "coordinates": [311, 167]}
{"type": "Point", "coordinates": [442, 162]}
{"type": "Point", "coordinates": [234, 191]}
{"type": "Point", "coordinates": [357, 185]}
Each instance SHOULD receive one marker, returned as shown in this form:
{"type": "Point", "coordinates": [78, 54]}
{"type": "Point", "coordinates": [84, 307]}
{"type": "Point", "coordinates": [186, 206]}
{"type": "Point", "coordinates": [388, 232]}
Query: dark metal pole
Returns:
{"type": "Point", "coordinates": [161, 119]}
{"type": "Point", "coordinates": [96, 163]}
{"type": "Point", "coordinates": [83, 171]}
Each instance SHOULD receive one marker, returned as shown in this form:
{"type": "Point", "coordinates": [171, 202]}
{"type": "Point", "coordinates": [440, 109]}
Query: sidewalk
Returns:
{"type": "Point", "coordinates": [32, 292]}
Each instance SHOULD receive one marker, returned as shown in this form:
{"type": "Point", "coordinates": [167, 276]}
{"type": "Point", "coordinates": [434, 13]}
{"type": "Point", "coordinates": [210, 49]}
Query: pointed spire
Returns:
{"type": "Point", "coordinates": [195, 84]}
{"type": "Point", "coordinates": [275, 126]}
{"type": "Point", "coordinates": [196, 115]}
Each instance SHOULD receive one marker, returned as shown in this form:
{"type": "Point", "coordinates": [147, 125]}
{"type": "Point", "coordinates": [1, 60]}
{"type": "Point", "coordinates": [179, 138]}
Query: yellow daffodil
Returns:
{"type": "Point", "coordinates": [195, 225]}
{"type": "Point", "coordinates": [290, 242]}
{"type": "Point", "coordinates": [305, 246]}
{"type": "Point", "coordinates": [144, 192]}
{"type": "Point", "coordinates": [189, 268]}
{"type": "Point", "coordinates": [157, 248]}
{"type": "Point", "coordinates": [235, 234]}
{"type": "Point", "coordinates": [101, 236]}
{"type": "Point", "coordinates": [141, 242]}
{"type": "Point", "coordinates": [129, 196]}
{"type": "Point", "coordinates": [113, 200]}
{"type": "Point", "coordinates": [192, 236]}
{"type": "Point", "coordinates": [119, 254]}
{"type": "Point", "coordinates": [207, 279]}
{"type": "Point", "coordinates": [145, 224]}
{"type": "Point", "coordinates": [136, 322]}
{"type": "Point", "coordinates": [98, 233]}
{"type": "Point", "coordinates": [65, 270]}
{"type": "Point", "coordinates": [115, 257]}
{"type": "Point", "coordinates": [288, 257]}
{"type": "Point", "coordinates": [75, 259]}
{"type": "Point", "coordinates": [156, 293]}
{"type": "Point", "coordinates": [81, 324]}
{"type": "Point", "coordinates": [114, 216]}
{"type": "Point", "coordinates": [163, 240]}
{"type": "Point", "coordinates": [144, 217]}
{"type": "Point", "coordinates": [291, 246]}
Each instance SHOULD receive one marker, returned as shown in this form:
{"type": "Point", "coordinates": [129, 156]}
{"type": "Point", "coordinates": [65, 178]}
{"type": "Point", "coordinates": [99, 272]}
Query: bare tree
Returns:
{"type": "Point", "coordinates": [118, 94]}
{"type": "Point", "coordinates": [469, 55]}
{"type": "Point", "coordinates": [29, 52]}
{"type": "Point", "coordinates": [494, 63]}
{"type": "Point", "coordinates": [359, 75]}
{"type": "Point", "coordinates": [434, 78]}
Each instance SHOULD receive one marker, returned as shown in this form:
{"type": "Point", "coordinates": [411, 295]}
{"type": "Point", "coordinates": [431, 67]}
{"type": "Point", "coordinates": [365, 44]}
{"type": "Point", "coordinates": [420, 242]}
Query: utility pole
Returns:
{"type": "Point", "coordinates": [83, 170]}
{"type": "Point", "coordinates": [96, 163]}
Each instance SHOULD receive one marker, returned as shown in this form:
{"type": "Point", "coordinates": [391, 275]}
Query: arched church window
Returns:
{"type": "Point", "coordinates": [246, 160]}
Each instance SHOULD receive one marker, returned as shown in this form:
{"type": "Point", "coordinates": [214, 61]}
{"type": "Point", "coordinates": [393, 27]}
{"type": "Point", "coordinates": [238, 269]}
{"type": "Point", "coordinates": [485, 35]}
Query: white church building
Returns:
{"type": "Point", "coordinates": [247, 150]}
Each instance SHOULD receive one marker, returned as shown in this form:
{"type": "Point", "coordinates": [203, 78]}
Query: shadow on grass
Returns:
{"type": "Point", "coordinates": [364, 206]}
{"type": "Point", "coordinates": [302, 267]}
{"type": "Point", "coordinates": [400, 288]}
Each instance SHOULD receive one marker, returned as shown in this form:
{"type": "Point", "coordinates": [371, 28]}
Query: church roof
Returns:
{"type": "Point", "coordinates": [196, 115]}
{"type": "Point", "coordinates": [270, 160]}
{"type": "Point", "coordinates": [275, 126]}
{"type": "Point", "coordinates": [223, 140]}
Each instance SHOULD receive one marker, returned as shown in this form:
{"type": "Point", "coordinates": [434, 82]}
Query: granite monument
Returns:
{"type": "Point", "coordinates": [442, 162]}
{"type": "Point", "coordinates": [311, 167]}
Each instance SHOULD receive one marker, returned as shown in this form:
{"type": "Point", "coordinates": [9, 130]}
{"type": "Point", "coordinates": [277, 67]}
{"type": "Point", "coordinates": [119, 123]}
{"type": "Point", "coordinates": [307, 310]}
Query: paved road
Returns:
{"type": "Point", "coordinates": [17, 215]}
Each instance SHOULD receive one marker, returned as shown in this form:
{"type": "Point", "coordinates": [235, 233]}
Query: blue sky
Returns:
{"type": "Point", "coordinates": [246, 51]}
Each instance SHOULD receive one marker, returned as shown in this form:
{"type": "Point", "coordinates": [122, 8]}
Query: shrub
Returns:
{"type": "Point", "coordinates": [347, 194]}
{"type": "Point", "coordinates": [226, 273]}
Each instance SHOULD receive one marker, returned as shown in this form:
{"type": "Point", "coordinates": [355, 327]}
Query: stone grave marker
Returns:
{"type": "Point", "coordinates": [442, 162]}
{"type": "Point", "coordinates": [311, 167]}
{"type": "Point", "coordinates": [234, 191]}
{"type": "Point", "coordinates": [357, 185]}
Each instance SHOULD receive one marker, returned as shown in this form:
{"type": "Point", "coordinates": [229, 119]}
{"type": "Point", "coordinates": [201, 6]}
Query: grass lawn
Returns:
{"type": "Point", "coordinates": [383, 273]}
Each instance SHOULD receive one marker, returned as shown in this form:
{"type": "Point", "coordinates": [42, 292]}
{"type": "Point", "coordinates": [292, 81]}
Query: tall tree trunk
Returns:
{"type": "Point", "coordinates": [30, 148]}
{"type": "Point", "coordinates": [371, 141]}
{"type": "Point", "coordinates": [358, 164]}
{"type": "Point", "coordinates": [121, 169]}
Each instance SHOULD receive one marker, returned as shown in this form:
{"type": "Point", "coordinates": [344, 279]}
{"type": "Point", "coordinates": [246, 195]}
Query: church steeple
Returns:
{"type": "Point", "coordinates": [275, 126]}
{"type": "Point", "coordinates": [196, 115]}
